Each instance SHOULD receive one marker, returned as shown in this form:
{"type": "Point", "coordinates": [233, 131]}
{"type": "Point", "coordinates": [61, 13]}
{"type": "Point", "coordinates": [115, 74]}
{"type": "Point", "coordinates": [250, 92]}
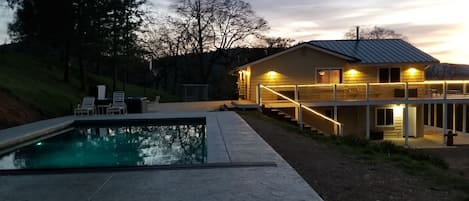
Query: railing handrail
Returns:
{"type": "Point", "coordinates": [338, 87]}
{"type": "Point", "coordinates": [372, 83]}
{"type": "Point", "coordinates": [305, 107]}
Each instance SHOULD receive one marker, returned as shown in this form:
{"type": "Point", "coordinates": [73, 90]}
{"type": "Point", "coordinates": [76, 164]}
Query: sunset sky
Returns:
{"type": "Point", "coordinates": [439, 27]}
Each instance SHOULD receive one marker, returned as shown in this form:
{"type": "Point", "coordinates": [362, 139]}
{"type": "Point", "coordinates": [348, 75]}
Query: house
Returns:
{"type": "Point", "coordinates": [351, 87]}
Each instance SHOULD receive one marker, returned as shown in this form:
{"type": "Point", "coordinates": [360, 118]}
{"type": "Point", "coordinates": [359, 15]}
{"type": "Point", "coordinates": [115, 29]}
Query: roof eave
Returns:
{"type": "Point", "coordinates": [397, 63]}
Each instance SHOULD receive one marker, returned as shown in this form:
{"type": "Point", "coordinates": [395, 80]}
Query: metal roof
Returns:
{"type": "Point", "coordinates": [376, 50]}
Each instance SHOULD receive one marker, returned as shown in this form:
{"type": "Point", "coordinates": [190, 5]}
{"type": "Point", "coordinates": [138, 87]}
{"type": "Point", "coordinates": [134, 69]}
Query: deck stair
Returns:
{"type": "Point", "coordinates": [240, 105]}
{"type": "Point", "coordinates": [283, 116]}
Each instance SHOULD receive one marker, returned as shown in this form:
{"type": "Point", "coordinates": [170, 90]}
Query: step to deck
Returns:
{"type": "Point", "coordinates": [282, 115]}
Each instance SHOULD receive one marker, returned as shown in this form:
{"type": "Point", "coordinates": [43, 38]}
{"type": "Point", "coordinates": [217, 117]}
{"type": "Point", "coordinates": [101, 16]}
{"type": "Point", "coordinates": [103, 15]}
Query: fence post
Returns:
{"type": "Point", "coordinates": [300, 116]}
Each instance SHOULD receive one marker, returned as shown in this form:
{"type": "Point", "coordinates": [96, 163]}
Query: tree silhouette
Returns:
{"type": "Point", "coordinates": [85, 29]}
{"type": "Point", "coordinates": [373, 33]}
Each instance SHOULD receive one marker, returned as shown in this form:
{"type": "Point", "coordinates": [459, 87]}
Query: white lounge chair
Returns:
{"type": "Point", "coordinates": [87, 106]}
{"type": "Point", "coordinates": [118, 103]}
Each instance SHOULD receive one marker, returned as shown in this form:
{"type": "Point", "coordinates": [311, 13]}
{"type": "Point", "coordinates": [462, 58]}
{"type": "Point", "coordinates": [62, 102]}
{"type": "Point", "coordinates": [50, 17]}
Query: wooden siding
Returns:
{"type": "Point", "coordinates": [296, 67]}
{"type": "Point", "coordinates": [299, 67]}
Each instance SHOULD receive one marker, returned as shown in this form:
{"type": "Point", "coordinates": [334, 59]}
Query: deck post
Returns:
{"type": "Point", "coordinates": [406, 125]}
{"type": "Point", "coordinates": [407, 90]}
{"type": "Point", "coordinates": [300, 116]}
{"type": "Point", "coordinates": [464, 113]}
{"type": "Point", "coordinates": [445, 90]}
{"type": "Point", "coordinates": [335, 118]}
{"type": "Point", "coordinates": [429, 115]}
{"type": "Point", "coordinates": [367, 95]}
{"type": "Point", "coordinates": [296, 107]}
{"type": "Point", "coordinates": [445, 121]}
{"type": "Point", "coordinates": [435, 117]}
{"type": "Point", "coordinates": [464, 90]}
{"type": "Point", "coordinates": [368, 122]}
{"type": "Point", "coordinates": [259, 94]}
{"type": "Point", "coordinates": [334, 89]}
{"type": "Point", "coordinates": [454, 117]}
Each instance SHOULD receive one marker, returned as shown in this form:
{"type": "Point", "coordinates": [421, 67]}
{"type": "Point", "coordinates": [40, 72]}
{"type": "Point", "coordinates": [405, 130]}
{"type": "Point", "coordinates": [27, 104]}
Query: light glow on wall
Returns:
{"type": "Point", "coordinates": [272, 74]}
{"type": "Point", "coordinates": [412, 71]}
{"type": "Point", "coordinates": [353, 72]}
{"type": "Point", "coordinates": [398, 112]}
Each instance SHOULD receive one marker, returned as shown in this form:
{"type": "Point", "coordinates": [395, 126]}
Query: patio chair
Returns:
{"type": "Point", "coordinates": [118, 103]}
{"type": "Point", "coordinates": [87, 106]}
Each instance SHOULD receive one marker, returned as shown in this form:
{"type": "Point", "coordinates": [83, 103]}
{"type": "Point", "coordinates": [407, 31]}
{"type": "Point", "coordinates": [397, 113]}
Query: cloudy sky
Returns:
{"type": "Point", "coordinates": [439, 27]}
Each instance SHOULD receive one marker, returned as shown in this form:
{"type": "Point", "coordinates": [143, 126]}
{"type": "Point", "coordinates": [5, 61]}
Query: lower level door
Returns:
{"type": "Point", "coordinates": [412, 118]}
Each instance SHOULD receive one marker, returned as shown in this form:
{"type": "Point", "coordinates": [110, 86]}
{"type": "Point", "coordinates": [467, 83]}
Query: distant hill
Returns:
{"type": "Point", "coordinates": [446, 71]}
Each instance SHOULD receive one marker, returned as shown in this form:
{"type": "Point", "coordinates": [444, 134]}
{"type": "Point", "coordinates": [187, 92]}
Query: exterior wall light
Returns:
{"type": "Point", "coordinates": [412, 71]}
{"type": "Point", "coordinates": [353, 72]}
{"type": "Point", "coordinates": [272, 74]}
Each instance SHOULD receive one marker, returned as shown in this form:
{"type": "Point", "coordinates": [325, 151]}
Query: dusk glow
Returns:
{"type": "Point", "coordinates": [441, 28]}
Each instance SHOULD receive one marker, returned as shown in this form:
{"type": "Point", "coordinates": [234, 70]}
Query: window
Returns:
{"type": "Point", "coordinates": [384, 117]}
{"type": "Point", "coordinates": [389, 75]}
{"type": "Point", "coordinates": [329, 76]}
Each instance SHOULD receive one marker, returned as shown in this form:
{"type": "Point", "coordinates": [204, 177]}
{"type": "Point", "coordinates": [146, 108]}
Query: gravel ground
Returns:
{"type": "Point", "coordinates": [338, 176]}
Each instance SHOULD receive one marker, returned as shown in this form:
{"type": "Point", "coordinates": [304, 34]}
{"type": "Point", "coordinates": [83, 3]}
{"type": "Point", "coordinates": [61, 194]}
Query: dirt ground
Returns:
{"type": "Point", "coordinates": [13, 112]}
{"type": "Point", "coordinates": [457, 157]}
{"type": "Point", "coordinates": [338, 176]}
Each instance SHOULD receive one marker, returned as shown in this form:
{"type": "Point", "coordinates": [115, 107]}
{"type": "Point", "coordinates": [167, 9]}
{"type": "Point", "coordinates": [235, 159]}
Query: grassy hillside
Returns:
{"type": "Point", "coordinates": [38, 83]}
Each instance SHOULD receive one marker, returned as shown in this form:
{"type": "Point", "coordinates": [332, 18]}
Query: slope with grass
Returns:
{"type": "Point", "coordinates": [32, 88]}
{"type": "Point", "coordinates": [354, 169]}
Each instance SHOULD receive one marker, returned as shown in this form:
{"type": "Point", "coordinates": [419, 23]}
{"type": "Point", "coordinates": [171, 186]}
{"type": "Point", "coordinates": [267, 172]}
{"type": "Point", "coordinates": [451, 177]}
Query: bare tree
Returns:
{"type": "Point", "coordinates": [234, 21]}
{"type": "Point", "coordinates": [374, 33]}
{"type": "Point", "coordinates": [277, 42]}
{"type": "Point", "coordinates": [212, 25]}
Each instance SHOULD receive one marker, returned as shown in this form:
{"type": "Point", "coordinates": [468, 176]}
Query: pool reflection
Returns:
{"type": "Point", "coordinates": [114, 146]}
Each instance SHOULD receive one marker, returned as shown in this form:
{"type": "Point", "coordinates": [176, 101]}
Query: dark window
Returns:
{"type": "Point", "coordinates": [380, 117]}
{"type": "Point", "coordinates": [395, 74]}
{"type": "Point", "coordinates": [389, 75]}
{"type": "Point", "coordinates": [383, 75]}
{"type": "Point", "coordinates": [389, 117]}
{"type": "Point", "coordinates": [384, 117]}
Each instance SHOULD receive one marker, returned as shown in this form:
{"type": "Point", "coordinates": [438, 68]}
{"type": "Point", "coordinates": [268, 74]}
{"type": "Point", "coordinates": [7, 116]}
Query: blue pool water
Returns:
{"type": "Point", "coordinates": [115, 144]}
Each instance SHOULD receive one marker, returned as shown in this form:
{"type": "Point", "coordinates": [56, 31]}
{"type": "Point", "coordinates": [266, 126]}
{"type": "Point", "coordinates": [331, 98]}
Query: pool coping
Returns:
{"type": "Point", "coordinates": [9, 138]}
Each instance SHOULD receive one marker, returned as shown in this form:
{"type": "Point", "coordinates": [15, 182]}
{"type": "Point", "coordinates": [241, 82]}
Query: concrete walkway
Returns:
{"type": "Point", "coordinates": [230, 139]}
{"type": "Point", "coordinates": [200, 106]}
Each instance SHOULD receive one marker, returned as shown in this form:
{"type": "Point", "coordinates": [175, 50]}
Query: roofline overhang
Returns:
{"type": "Point", "coordinates": [393, 63]}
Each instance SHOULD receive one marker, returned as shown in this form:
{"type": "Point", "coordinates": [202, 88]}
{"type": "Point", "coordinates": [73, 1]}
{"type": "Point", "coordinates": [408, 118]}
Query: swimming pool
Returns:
{"type": "Point", "coordinates": [114, 143]}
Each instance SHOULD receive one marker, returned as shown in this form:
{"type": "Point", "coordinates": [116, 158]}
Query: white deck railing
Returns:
{"type": "Point", "coordinates": [338, 131]}
{"type": "Point", "coordinates": [427, 90]}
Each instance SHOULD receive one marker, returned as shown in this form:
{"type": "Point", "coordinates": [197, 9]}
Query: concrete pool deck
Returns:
{"type": "Point", "coordinates": [230, 140]}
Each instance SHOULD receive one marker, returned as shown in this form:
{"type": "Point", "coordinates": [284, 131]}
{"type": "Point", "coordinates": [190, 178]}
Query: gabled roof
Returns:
{"type": "Point", "coordinates": [377, 51]}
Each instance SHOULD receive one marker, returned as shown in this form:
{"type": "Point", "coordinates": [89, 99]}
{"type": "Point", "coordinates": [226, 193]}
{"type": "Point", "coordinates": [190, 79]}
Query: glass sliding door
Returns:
{"type": "Point", "coordinates": [329, 76]}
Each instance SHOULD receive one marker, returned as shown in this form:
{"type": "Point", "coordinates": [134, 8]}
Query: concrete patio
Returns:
{"type": "Point", "coordinates": [230, 140]}
{"type": "Point", "coordinates": [433, 138]}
